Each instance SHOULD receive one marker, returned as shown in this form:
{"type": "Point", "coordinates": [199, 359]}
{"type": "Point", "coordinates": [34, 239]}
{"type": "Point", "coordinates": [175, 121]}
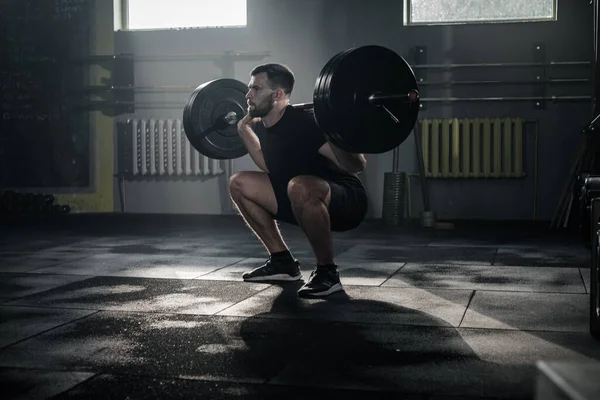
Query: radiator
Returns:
{"type": "Point", "coordinates": [159, 147]}
{"type": "Point", "coordinates": [473, 148]}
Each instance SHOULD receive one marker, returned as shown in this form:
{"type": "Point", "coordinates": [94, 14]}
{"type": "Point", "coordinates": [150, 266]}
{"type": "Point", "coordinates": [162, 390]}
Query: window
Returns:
{"type": "Point", "coordinates": [445, 12]}
{"type": "Point", "coordinates": [176, 14]}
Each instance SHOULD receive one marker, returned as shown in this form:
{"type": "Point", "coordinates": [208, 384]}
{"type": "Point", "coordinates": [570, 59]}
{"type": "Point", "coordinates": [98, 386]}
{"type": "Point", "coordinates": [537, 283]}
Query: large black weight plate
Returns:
{"type": "Point", "coordinates": [320, 106]}
{"type": "Point", "coordinates": [342, 108]}
{"type": "Point", "coordinates": [203, 120]}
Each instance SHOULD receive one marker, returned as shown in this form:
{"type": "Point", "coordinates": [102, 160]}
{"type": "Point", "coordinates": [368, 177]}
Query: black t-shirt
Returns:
{"type": "Point", "coordinates": [291, 148]}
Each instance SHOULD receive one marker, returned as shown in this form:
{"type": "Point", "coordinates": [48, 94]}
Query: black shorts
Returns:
{"type": "Point", "coordinates": [347, 207]}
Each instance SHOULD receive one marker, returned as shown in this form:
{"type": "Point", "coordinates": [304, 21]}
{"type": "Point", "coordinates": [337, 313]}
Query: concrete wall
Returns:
{"type": "Point", "coordinates": [305, 34]}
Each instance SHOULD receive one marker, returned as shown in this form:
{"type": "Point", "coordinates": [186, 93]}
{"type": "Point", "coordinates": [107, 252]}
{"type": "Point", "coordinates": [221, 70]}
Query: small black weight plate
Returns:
{"type": "Point", "coordinates": [204, 123]}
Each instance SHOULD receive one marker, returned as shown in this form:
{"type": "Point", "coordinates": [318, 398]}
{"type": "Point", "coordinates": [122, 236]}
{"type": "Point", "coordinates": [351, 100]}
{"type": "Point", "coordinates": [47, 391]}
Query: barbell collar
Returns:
{"type": "Point", "coordinates": [231, 118]}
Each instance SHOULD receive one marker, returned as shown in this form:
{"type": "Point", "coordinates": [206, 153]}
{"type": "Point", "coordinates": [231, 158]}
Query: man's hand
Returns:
{"type": "Point", "coordinates": [247, 122]}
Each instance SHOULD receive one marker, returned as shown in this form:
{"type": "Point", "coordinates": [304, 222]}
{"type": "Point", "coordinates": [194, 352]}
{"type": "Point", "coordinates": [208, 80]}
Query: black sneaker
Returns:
{"type": "Point", "coordinates": [274, 270]}
{"type": "Point", "coordinates": [322, 282]}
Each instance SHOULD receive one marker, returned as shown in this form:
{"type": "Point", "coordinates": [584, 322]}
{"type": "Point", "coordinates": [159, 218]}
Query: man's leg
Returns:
{"type": "Point", "coordinates": [310, 198]}
{"type": "Point", "coordinates": [253, 196]}
{"type": "Point", "coordinates": [255, 199]}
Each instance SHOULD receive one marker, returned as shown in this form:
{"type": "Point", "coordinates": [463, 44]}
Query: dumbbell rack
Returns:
{"type": "Point", "coordinates": [18, 204]}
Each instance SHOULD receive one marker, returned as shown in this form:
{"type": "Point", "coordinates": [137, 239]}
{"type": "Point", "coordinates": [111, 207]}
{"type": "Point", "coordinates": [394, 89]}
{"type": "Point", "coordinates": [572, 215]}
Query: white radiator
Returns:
{"type": "Point", "coordinates": [161, 148]}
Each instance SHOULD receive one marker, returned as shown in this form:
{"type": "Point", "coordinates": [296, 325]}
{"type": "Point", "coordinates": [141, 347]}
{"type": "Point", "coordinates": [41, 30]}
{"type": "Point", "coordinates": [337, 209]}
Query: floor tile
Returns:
{"type": "Point", "coordinates": [145, 295]}
{"type": "Point", "coordinates": [31, 384]}
{"type": "Point", "coordinates": [574, 380]}
{"type": "Point", "coordinates": [366, 273]}
{"type": "Point", "coordinates": [147, 246]}
{"type": "Point", "coordinates": [31, 241]}
{"type": "Point", "coordinates": [528, 311]}
{"type": "Point", "coordinates": [586, 276]}
{"type": "Point", "coordinates": [14, 285]}
{"type": "Point", "coordinates": [181, 346]}
{"type": "Point", "coordinates": [432, 255]}
{"type": "Point", "coordinates": [125, 387]}
{"type": "Point", "coordinates": [254, 249]}
{"type": "Point", "coordinates": [539, 279]}
{"type": "Point", "coordinates": [435, 361]}
{"type": "Point", "coordinates": [31, 261]}
{"type": "Point", "coordinates": [143, 266]}
{"type": "Point", "coordinates": [18, 323]}
{"type": "Point", "coordinates": [544, 257]}
{"type": "Point", "coordinates": [359, 304]}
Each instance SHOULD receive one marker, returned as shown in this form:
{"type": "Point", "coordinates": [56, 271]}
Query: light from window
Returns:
{"type": "Point", "coordinates": [174, 14]}
{"type": "Point", "coordinates": [438, 12]}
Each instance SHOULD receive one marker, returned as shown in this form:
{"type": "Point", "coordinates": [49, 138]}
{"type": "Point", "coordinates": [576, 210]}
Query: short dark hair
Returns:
{"type": "Point", "coordinates": [279, 76]}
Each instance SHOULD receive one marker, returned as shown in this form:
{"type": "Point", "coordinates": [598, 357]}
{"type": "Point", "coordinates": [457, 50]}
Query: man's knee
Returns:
{"type": "Point", "coordinates": [237, 183]}
{"type": "Point", "coordinates": [305, 189]}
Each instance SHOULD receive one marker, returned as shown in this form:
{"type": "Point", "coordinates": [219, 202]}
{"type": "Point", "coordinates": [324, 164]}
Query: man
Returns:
{"type": "Point", "coordinates": [305, 180]}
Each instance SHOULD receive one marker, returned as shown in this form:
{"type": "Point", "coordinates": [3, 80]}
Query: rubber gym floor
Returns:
{"type": "Point", "coordinates": [124, 306]}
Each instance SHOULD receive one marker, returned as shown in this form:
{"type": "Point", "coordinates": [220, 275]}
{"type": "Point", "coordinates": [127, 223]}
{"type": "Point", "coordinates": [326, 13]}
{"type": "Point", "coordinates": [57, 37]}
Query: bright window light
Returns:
{"type": "Point", "coordinates": [175, 14]}
{"type": "Point", "coordinates": [439, 12]}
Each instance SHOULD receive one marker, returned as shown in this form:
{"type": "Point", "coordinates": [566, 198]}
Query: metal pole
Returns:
{"type": "Point", "coordinates": [494, 65]}
{"type": "Point", "coordinates": [139, 88]}
{"type": "Point", "coordinates": [169, 57]}
{"type": "Point", "coordinates": [375, 97]}
{"type": "Point", "coordinates": [491, 82]}
{"type": "Point", "coordinates": [421, 162]}
{"type": "Point", "coordinates": [177, 105]}
{"type": "Point", "coordinates": [523, 98]}
{"type": "Point", "coordinates": [395, 159]}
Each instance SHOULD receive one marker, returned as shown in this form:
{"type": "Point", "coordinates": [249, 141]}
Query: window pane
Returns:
{"type": "Point", "coordinates": [459, 11]}
{"type": "Point", "coordinates": [165, 14]}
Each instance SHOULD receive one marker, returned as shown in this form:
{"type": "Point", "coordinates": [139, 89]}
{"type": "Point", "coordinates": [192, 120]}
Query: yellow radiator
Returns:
{"type": "Point", "coordinates": [473, 148]}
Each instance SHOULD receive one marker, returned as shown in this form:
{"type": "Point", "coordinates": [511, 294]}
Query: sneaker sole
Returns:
{"type": "Point", "coordinates": [278, 277]}
{"type": "Point", "coordinates": [335, 288]}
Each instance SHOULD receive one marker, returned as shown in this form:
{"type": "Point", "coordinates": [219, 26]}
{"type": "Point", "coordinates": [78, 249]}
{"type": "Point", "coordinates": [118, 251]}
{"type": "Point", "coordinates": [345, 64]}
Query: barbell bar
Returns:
{"type": "Point", "coordinates": [365, 100]}
{"type": "Point", "coordinates": [231, 118]}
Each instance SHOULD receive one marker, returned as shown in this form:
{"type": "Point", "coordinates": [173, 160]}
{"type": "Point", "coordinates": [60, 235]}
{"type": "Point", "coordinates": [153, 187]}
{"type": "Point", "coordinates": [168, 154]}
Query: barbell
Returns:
{"type": "Point", "coordinates": [365, 100]}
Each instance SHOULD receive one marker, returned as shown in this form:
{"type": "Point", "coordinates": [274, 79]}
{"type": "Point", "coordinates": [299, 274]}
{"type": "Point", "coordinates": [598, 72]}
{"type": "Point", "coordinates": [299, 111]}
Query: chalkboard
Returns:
{"type": "Point", "coordinates": [44, 131]}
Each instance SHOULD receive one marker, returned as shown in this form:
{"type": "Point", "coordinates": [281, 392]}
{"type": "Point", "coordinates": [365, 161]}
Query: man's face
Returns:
{"type": "Point", "coordinates": [260, 96]}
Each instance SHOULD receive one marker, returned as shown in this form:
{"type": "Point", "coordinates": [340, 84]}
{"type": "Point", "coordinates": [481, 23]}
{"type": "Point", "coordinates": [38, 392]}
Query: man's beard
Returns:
{"type": "Point", "coordinates": [262, 109]}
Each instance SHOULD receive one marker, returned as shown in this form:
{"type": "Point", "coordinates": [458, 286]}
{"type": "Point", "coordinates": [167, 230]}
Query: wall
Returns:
{"type": "Point", "coordinates": [99, 197]}
{"type": "Point", "coordinates": [305, 34]}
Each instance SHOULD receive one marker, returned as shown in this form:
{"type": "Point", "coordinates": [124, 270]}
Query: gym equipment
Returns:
{"type": "Point", "coordinates": [589, 203]}
{"type": "Point", "coordinates": [595, 269]}
{"type": "Point", "coordinates": [582, 193]}
{"type": "Point", "coordinates": [365, 100]}
{"type": "Point", "coordinates": [210, 118]}
{"type": "Point", "coordinates": [16, 203]}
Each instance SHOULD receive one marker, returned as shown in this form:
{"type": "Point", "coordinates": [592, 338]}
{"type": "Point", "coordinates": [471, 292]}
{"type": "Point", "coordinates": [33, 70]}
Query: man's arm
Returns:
{"type": "Point", "coordinates": [251, 141]}
{"type": "Point", "coordinates": [349, 162]}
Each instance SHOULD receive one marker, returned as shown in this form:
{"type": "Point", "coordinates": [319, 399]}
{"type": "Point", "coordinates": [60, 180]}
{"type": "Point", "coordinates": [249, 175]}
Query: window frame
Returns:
{"type": "Point", "coordinates": [122, 20]}
{"type": "Point", "coordinates": [408, 22]}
